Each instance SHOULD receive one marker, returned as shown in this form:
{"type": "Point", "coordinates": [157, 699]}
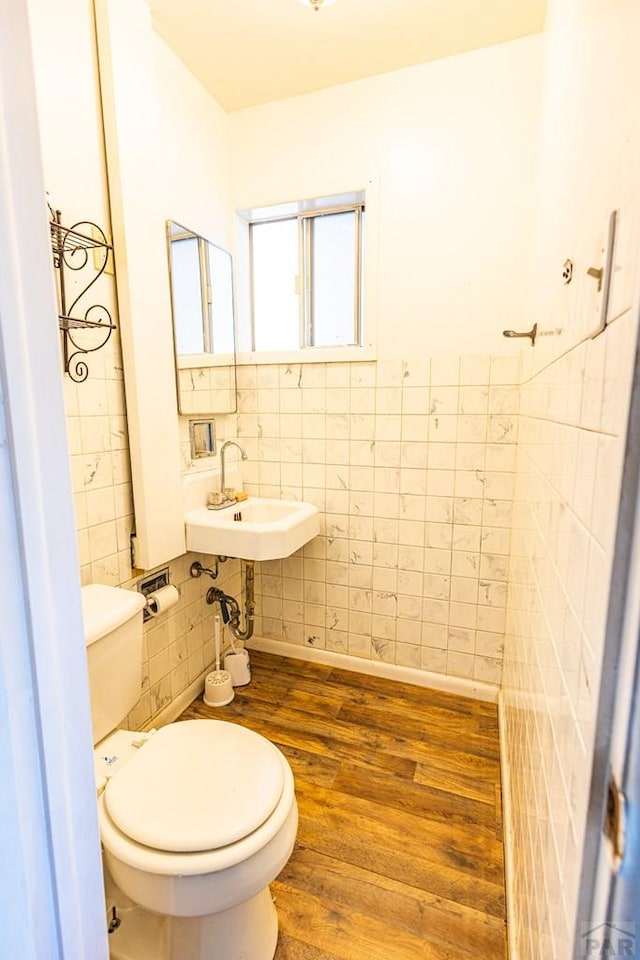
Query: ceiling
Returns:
{"type": "Point", "coordinates": [248, 52]}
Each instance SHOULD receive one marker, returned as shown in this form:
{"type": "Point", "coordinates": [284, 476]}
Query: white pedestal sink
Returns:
{"type": "Point", "coordinates": [268, 528]}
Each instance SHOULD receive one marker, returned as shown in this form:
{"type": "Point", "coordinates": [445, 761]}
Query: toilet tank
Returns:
{"type": "Point", "coordinates": [113, 634]}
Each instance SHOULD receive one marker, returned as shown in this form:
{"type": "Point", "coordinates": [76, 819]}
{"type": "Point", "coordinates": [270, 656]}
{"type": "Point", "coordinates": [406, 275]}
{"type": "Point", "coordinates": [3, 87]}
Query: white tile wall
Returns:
{"type": "Point", "coordinates": [571, 444]}
{"type": "Point", "coordinates": [412, 465]}
{"type": "Point", "coordinates": [101, 472]}
{"type": "Point", "coordinates": [203, 389]}
{"type": "Point", "coordinates": [178, 645]}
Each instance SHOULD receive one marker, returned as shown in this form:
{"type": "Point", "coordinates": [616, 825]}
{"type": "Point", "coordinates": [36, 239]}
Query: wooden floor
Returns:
{"type": "Point", "coordinates": [399, 849]}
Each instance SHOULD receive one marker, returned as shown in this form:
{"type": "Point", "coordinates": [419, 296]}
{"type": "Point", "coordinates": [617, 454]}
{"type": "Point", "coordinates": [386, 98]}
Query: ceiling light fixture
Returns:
{"type": "Point", "coordinates": [316, 4]}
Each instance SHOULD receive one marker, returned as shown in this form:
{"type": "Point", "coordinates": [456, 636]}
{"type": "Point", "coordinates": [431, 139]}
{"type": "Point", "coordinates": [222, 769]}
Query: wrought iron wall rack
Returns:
{"type": "Point", "coordinates": [71, 247]}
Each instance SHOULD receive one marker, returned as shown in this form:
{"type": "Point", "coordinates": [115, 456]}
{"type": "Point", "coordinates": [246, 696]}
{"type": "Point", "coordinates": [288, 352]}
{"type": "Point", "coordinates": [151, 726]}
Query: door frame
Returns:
{"type": "Point", "coordinates": [618, 703]}
{"type": "Point", "coordinates": [51, 878]}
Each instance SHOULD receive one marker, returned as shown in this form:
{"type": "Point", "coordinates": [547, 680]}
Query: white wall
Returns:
{"type": "Point", "coordinates": [193, 151]}
{"type": "Point", "coordinates": [588, 161]}
{"type": "Point", "coordinates": [71, 135]}
{"type": "Point", "coordinates": [194, 157]}
{"type": "Point", "coordinates": [574, 403]}
{"type": "Point", "coordinates": [451, 145]}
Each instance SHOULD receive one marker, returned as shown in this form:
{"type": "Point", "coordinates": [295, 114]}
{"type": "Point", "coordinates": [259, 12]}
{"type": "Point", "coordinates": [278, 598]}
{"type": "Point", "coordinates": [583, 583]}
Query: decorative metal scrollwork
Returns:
{"type": "Point", "coordinates": [71, 247]}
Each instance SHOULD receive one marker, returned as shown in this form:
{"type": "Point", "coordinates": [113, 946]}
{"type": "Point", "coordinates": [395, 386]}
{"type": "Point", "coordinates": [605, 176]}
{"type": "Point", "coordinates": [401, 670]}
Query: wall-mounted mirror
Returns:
{"type": "Point", "coordinates": [203, 322]}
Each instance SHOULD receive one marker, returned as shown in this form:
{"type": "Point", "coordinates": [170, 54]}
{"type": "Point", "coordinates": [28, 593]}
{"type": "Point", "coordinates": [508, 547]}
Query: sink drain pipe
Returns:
{"type": "Point", "coordinates": [229, 606]}
{"type": "Point", "coordinates": [249, 605]}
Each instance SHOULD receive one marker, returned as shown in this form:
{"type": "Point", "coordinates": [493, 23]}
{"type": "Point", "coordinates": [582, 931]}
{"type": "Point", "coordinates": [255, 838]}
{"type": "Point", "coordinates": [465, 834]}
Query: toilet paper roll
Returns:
{"type": "Point", "coordinates": [163, 599]}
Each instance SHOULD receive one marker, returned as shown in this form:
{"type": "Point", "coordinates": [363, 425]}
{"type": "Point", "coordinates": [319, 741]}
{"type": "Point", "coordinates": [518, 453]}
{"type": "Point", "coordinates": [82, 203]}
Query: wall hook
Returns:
{"type": "Point", "coordinates": [597, 273]}
{"type": "Point", "coordinates": [533, 333]}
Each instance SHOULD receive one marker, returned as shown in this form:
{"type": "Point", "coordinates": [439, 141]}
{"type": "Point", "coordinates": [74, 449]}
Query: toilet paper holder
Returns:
{"type": "Point", "coordinates": [153, 585]}
{"type": "Point", "coordinates": [162, 600]}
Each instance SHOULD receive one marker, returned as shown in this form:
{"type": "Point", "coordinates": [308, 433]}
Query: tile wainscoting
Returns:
{"type": "Point", "coordinates": [570, 455]}
{"type": "Point", "coordinates": [412, 465]}
{"type": "Point", "coordinates": [178, 645]}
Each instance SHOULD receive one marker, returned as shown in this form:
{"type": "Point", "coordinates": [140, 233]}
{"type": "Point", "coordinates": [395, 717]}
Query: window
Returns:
{"type": "Point", "coordinates": [306, 277]}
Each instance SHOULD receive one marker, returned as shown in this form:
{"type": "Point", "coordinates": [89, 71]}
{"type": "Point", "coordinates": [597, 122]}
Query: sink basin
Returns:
{"type": "Point", "coordinates": [269, 529]}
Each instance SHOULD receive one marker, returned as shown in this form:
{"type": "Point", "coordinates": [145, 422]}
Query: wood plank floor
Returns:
{"type": "Point", "coordinates": [399, 850]}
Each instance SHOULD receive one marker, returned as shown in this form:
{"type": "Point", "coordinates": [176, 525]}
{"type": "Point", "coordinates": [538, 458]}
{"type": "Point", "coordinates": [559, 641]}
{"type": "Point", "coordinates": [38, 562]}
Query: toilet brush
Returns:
{"type": "Point", "coordinates": [218, 688]}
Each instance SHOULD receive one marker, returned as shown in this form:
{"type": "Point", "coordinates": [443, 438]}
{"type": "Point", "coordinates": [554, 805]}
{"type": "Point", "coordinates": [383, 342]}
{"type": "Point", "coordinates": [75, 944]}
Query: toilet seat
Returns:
{"type": "Point", "coordinates": [196, 786]}
{"type": "Point", "coordinates": [179, 863]}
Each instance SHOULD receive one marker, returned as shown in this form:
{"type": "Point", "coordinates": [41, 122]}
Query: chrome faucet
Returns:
{"type": "Point", "coordinates": [243, 453]}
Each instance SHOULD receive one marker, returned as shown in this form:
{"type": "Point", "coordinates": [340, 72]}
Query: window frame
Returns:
{"type": "Point", "coordinates": [305, 218]}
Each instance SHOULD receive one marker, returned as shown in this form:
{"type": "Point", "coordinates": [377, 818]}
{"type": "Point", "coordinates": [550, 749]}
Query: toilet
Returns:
{"type": "Point", "coordinates": [196, 818]}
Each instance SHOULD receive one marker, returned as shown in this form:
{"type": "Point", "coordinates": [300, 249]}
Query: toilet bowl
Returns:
{"type": "Point", "coordinates": [196, 819]}
{"type": "Point", "coordinates": [195, 822]}
{"type": "Point", "coordinates": [200, 818]}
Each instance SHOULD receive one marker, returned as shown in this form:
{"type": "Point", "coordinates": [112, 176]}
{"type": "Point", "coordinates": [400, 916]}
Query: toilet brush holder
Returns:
{"type": "Point", "coordinates": [236, 662]}
{"type": "Point", "coordinates": [218, 689]}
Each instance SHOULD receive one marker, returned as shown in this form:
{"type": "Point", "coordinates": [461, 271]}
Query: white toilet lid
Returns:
{"type": "Point", "coordinates": [196, 785]}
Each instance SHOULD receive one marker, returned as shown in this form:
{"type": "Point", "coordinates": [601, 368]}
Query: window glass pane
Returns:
{"type": "Point", "coordinates": [333, 280]}
{"type": "Point", "coordinates": [185, 290]}
{"type": "Point", "coordinates": [221, 282]}
{"type": "Point", "coordinates": [276, 321]}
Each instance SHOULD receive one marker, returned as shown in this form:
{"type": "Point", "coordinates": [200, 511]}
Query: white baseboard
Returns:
{"type": "Point", "coordinates": [507, 831]}
{"type": "Point", "coordinates": [376, 668]}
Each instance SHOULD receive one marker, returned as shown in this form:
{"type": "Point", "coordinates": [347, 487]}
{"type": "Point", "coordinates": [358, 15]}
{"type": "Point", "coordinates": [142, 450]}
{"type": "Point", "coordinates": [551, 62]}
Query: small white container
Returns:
{"type": "Point", "coordinates": [236, 662]}
{"type": "Point", "coordinates": [218, 689]}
